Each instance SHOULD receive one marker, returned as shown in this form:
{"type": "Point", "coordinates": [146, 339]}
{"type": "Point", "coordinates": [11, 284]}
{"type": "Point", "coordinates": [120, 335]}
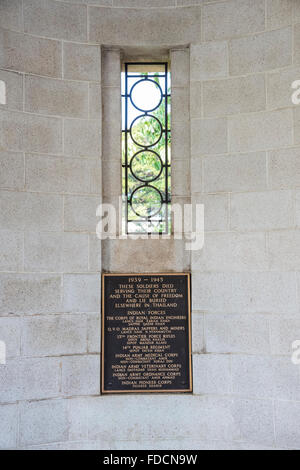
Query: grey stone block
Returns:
{"type": "Point", "coordinates": [55, 20]}
{"type": "Point", "coordinates": [56, 97]}
{"type": "Point", "coordinates": [31, 211]}
{"type": "Point", "coordinates": [43, 421]}
{"type": "Point", "coordinates": [30, 133]}
{"type": "Point", "coordinates": [14, 90]}
{"type": "Point", "coordinates": [265, 51]}
{"type": "Point", "coordinates": [139, 26]}
{"type": "Point", "coordinates": [81, 375]}
{"type": "Point", "coordinates": [30, 379]}
{"type": "Point", "coordinates": [30, 293]}
{"type": "Point", "coordinates": [82, 62]}
{"type": "Point", "coordinates": [81, 293]}
{"type": "Point", "coordinates": [30, 54]}
{"type": "Point", "coordinates": [11, 250]}
{"type": "Point", "coordinates": [54, 335]}
{"type": "Point", "coordinates": [233, 18]}
{"type": "Point", "coordinates": [11, 14]}
{"type": "Point", "coordinates": [9, 425]}
{"type": "Point", "coordinates": [12, 170]}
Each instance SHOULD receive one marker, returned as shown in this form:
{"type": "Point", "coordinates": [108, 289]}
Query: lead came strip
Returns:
{"type": "Point", "coordinates": [145, 148]}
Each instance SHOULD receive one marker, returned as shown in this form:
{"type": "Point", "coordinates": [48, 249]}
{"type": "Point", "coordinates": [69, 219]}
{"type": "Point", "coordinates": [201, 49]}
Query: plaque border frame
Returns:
{"type": "Point", "coordinates": [113, 392]}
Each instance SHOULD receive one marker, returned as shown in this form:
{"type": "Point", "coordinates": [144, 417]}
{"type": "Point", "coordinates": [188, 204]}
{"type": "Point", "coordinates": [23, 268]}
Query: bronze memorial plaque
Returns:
{"type": "Point", "coordinates": [146, 333]}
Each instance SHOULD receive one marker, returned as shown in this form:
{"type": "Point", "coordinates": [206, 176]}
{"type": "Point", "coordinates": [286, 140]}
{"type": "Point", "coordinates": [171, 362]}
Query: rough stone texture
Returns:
{"type": "Point", "coordinates": [31, 211]}
{"type": "Point", "coordinates": [81, 293]}
{"type": "Point", "coordinates": [237, 334]}
{"type": "Point", "coordinates": [233, 18]}
{"type": "Point", "coordinates": [14, 90]}
{"type": "Point", "coordinates": [286, 419]}
{"type": "Point", "coordinates": [216, 211]}
{"type": "Point", "coordinates": [11, 14]}
{"type": "Point", "coordinates": [243, 292]}
{"type": "Point", "coordinates": [265, 377]}
{"type": "Point", "coordinates": [239, 172]}
{"type": "Point", "coordinates": [30, 54]}
{"type": "Point", "coordinates": [180, 64]}
{"type": "Point", "coordinates": [95, 100]}
{"type": "Point", "coordinates": [61, 175]}
{"type": "Point", "coordinates": [140, 26]}
{"type": "Point", "coordinates": [110, 71]}
{"type": "Point", "coordinates": [30, 132]}
{"type": "Point", "coordinates": [121, 254]}
{"type": "Point", "coordinates": [284, 248]}
{"type": "Point", "coordinates": [93, 2]}
{"type": "Point", "coordinates": [181, 178]}
{"type": "Point", "coordinates": [279, 90]}
{"type": "Point", "coordinates": [296, 126]}
{"type": "Point", "coordinates": [260, 131]}
{"type": "Point", "coordinates": [54, 335]}
{"type": "Point", "coordinates": [296, 43]}
{"type": "Point", "coordinates": [255, 420]}
{"type": "Point", "coordinates": [279, 13]}
{"type": "Point", "coordinates": [198, 416]}
{"type": "Point", "coordinates": [234, 96]}
{"type": "Point", "coordinates": [9, 422]}
{"type": "Point", "coordinates": [82, 138]}
{"type": "Point", "coordinates": [80, 213]}
{"type": "Point", "coordinates": [195, 100]}
{"type": "Point", "coordinates": [209, 60]}
{"type": "Point", "coordinates": [212, 374]}
{"type": "Point", "coordinates": [244, 252]}
{"type": "Point", "coordinates": [11, 334]}
{"type": "Point", "coordinates": [55, 19]}
{"type": "Point", "coordinates": [81, 62]}
{"type": "Point", "coordinates": [94, 333]}
{"type": "Point", "coordinates": [144, 3]}
{"type": "Point", "coordinates": [282, 335]}
{"type": "Point", "coordinates": [243, 137]}
{"type": "Point", "coordinates": [30, 379]}
{"type": "Point", "coordinates": [188, 2]}
{"type": "Point", "coordinates": [59, 97]}
{"type": "Point", "coordinates": [297, 201]}
{"type": "Point", "coordinates": [196, 165]}
{"type": "Point", "coordinates": [265, 51]}
{"type": "Point", "coordinates": [33, 417]}
{"type": "Point", "coordinates": [11, 170]}
{"type": "Point", "coordinates": [81, 375]}
{"type": "Point", "coordinates": [209, 136]}
{"type": "Point", "coordinates": [94, 253]}
{"type": "Point", "coordinates": [198, 333]}
{"type": "Point", "coordinates": [11, 250]}
{"type": "Point", "coordinates": [262, 211]}
{"type": "Point", "coordinates": [30, 293]}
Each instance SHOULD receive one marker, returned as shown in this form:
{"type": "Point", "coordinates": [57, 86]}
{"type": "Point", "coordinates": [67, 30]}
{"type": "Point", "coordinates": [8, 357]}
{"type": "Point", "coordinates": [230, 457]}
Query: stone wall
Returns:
{"type": "Point", "coordinates": [245, 168]}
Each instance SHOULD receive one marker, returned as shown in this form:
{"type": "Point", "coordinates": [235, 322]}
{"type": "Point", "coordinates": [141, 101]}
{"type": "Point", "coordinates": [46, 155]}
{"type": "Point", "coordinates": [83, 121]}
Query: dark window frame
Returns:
{"type": "Point", "coordinates": [165, 195]}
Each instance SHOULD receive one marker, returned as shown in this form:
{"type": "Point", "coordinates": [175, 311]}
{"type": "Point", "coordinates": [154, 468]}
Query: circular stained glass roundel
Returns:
{"type": "Point", "coordinates": [146, 201]}
{"type": "Point", "coordinates": [146, 131]}
{"type": "Point", "coordinates": [146, 166]}
{"type": "Point", "coordinates": [146, 95]}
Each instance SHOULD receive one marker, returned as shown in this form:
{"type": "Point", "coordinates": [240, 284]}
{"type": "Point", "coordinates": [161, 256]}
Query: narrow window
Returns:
{"type": "Point", "coordinates": [146, 148]}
